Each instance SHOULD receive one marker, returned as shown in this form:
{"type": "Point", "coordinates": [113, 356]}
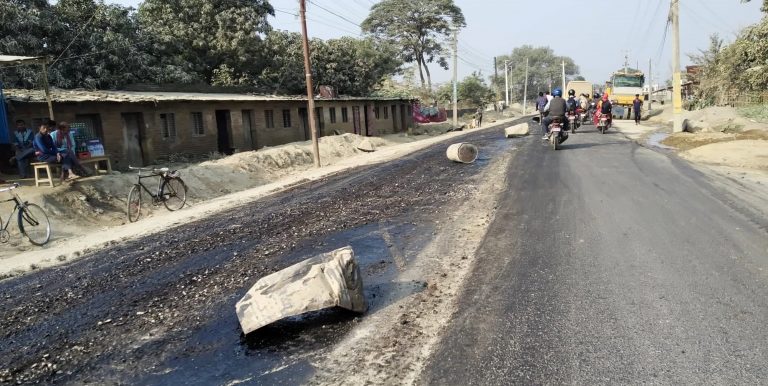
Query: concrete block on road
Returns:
{"type": "Point", "coordinates": [328, 280]}
{"type": "Point", "coordinates": [462, 152]}
{"type": "Point", "coordinates": [517, 130]}
{"type": "Point", "coordinates": [366, 145]}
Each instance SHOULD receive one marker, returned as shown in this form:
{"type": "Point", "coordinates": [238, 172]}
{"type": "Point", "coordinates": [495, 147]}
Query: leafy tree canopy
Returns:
{"type": "Point", "coordinates": [544, 70]}
{"type": "Point", "coordinates": [420, 28]}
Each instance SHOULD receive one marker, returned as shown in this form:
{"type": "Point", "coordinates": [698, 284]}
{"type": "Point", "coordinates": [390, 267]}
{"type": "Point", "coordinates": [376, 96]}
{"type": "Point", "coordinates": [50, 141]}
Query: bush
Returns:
{"type": "Point", "coordinates": [758, 112]}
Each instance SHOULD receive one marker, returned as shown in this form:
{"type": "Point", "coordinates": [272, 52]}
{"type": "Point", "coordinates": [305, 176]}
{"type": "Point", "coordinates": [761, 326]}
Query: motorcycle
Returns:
{"type": "Point", "coordinates": [604, 122]}
{"type": "Point", "coordinates": [574, 120]}
{"type": "Point", "coordinates": [590, 111]}
{"type": "Point", "coordinates": [556, 133]}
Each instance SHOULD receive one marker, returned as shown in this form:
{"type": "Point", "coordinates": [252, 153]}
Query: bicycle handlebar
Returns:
{"type": "Point", "coordinates": [13, 186]}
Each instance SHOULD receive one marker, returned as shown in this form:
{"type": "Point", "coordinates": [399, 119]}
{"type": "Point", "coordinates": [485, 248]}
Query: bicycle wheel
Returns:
{"type": "Point", "coordinates": [134, 203]}
{"type": "Point", "coordinates": [173, 193]}
{"type": "Point", "coordinates": [33, 223]}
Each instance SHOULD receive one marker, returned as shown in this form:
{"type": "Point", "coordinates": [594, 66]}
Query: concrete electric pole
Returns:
{"type": "Point", "coordinates": [677, 92]}
{"type": "Point", "coordinates": [525, 87]}
{"type": "Point", "coordinates": [563, 76]}
{"type": "Point", "coordinates": [455, 78]}
{"type": "Point", "coordinates": [506, 82]}
{"type": "Point", "coordinates": [308, 73]}
{"type": "Point", "coordinates": [650, 84]}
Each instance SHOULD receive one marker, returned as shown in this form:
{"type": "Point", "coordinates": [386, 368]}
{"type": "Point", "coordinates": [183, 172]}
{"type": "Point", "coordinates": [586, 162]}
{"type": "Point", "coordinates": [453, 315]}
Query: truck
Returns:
{"type": "Point", "coordinates": [581, 87]}
{"type": "Point", "coordinates": [622, 88]}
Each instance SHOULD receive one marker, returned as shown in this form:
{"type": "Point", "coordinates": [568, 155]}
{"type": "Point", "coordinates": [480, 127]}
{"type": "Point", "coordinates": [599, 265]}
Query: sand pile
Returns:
{"type": "Point", "coordinates": [750, 154]}
{"type": "Point", "coordinates": [718, 119]}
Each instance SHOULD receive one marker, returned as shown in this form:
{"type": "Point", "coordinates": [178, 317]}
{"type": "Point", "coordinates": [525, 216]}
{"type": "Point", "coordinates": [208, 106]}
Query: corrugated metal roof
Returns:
{"type": "Point", "coordinates": [10, 59]}
{"type": "Point", "coordinates": [153, 96]}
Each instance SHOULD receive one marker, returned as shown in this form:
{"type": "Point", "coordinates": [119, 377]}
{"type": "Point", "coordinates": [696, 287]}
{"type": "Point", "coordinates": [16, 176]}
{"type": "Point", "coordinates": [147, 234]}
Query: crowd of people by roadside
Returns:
{"type": "Point", "coordinates": [53, 143]}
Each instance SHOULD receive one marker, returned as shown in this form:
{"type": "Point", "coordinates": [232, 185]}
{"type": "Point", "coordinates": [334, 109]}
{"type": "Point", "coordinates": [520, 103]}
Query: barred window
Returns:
{"type": "Point", "coordinates": [269, 119]}
{"type": "Point", "coordinates": [386, 112]}
{"type": "Point", "coordinates": [332, 113]}
{"type": "Point", "coordinates": [344, 115]}
{"type": "Point", "coordinates": [376, 112]}
{"type": "Point", "coordinates": [168, 125]}
{"type": "Point", "coordinates": [197, 124]}
{"type": "Point", "coordinates": [286, 118]}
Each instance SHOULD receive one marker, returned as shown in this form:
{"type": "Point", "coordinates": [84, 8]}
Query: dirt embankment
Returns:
{"type": "Point", "coordinates": [97, 203]}
{"type": "Point", "coordinates": [719, 136]}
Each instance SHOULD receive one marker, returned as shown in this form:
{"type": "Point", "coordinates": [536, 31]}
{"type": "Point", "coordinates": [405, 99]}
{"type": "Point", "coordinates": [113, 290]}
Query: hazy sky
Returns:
{"type": "Point", "coordinates": [597, 36]}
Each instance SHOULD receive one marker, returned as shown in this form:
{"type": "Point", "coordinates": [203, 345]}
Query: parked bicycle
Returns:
{"type": "Point", "coordinates": [171, 191]}
{"type": "Point", "coordinates": [32, 220]}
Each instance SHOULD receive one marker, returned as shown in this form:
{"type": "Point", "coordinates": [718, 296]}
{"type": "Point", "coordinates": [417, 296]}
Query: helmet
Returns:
{"type": "Point", "coordinates": [558, 92]}
{"type": "Point", "coordinates": [596, 96]}
{"type": "Point", "coordinates": [571, 92]}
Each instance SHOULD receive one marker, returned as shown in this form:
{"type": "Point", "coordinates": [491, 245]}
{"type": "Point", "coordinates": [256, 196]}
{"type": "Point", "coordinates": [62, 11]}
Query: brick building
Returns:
{"type": "Point", "coordinates": [139, 127]}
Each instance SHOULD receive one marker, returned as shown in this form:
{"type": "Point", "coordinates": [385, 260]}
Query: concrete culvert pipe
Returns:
{"type": "Point", "coordinates": [462, 152]}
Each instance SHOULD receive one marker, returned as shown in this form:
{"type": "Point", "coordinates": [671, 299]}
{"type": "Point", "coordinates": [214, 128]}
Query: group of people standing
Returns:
{"type": "Point", "coordinates": [53, 143]}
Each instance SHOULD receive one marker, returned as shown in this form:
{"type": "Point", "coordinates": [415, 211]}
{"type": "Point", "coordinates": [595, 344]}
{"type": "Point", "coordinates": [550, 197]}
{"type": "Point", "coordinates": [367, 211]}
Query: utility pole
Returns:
{"type": "Point", "coordinates": [506, 82]}
{"type": "Point", "coordinates": [650, 84]}
{"type": "Point", "coordinates": [47, 91]}
{"type": "Point", "coordinates": [455, 78]}
{"type": "Point", "coordinates": [308, 74]}
{"type": "Point", "coordinates": [525, 87]}
{"type": "Point", "coordinates": [563, 75]}
{"type": "Point", "coordinates": [677, 97]}
{"type": "Point", "coordinates": [495, 79]}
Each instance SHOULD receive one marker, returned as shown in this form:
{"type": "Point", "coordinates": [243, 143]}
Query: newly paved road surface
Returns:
{"type": "Point", "coordinates": [609, 263]}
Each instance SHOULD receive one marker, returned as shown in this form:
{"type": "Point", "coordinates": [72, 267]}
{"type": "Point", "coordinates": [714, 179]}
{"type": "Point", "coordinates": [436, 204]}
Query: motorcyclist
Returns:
{"type": "Point", "coordinates": [557, 108]}
{"type": "Point", "coordinates": [584, 101]}
{"type": "Point", "coordinates": [607, 108]}
{"type": "Point", "coordinates": [596, 100]}
{"type": "Point", "coordinates": [572, 104]}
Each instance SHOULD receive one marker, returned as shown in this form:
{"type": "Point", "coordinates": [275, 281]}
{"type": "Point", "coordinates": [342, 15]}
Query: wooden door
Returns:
{"type": "Point", "coordinates": [132, 138]}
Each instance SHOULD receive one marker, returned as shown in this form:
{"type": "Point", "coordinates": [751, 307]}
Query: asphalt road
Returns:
{"type": "Point", "coordinates": [160, 309]}
{"type": "Point", "coordinates": [609, 263]}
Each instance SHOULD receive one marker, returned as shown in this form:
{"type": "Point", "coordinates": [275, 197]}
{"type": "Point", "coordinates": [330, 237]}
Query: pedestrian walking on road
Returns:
{"type": "Point", "coordinates": [637, 107]}
{"type": "Point", "coordinates": [479, 116]}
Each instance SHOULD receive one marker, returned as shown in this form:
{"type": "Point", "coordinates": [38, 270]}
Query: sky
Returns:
{"type": "Point", "coordinates": [596, 36]}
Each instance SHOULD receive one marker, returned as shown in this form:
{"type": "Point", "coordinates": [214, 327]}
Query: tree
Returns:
{"type": "Point", "coordinates": [195, 38]}
{"type": "Point", "coordinates": [97, 45]}
{"type": "Point", "coordinates": [710, 79]}
{"type": "Point", "coordinates": [579, 78]}
{"type": "Point", "coordinates": [472, 91]}
{"type": "Point", "coordinates": [351, 66]}
{"type": "Point", "coordinates": [764, 8]}
{"type": "Point", "coordinates": [744, 62]}
{"type": "Point", "coordinates": [25, 29]}
{"type": "Point", "coordinates": [419, 28]}
{"type": "Point", "coordinates": [544, 69]}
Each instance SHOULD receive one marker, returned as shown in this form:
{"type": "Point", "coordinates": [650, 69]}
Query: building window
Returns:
{"type": "Point", "coordinates": [344, 115]}
{"type": "Point", "coordinates": [269, 119]}
{"type": "Point", "coordinates": [332, 113]}
{"type": "Point", "coordinates": [386, 112]}
{"type": "Point", "coordinates": [91, 126]}
{"type": "Point", "coordinates": [197, 124]}
{"type": "Point", "coordinates": [168, 125]}
{"type": "Point", "coordinates": [376, 112]}
{"type": "Point", "coordinates": [286, 118]}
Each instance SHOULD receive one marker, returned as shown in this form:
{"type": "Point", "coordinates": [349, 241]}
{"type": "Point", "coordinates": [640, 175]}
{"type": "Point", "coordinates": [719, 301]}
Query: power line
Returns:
{"type": "Point", "coordinates": [334, 13]}
{"type": "Point", "coordinates": [77, 35]}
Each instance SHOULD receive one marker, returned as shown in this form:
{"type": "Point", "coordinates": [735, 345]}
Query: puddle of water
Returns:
{"type": "Point", "coordinates": [655, 141]}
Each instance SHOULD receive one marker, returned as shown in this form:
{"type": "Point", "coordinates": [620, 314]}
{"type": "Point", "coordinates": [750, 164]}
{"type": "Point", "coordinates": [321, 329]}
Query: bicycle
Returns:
{"type": "Point", "coordinates": [32, 220]}
{"type": "Point", "coordinates": [171, 191]}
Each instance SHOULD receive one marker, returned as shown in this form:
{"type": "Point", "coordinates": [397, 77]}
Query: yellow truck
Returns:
{"type": "Point", "coordinates": [622, 88]}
